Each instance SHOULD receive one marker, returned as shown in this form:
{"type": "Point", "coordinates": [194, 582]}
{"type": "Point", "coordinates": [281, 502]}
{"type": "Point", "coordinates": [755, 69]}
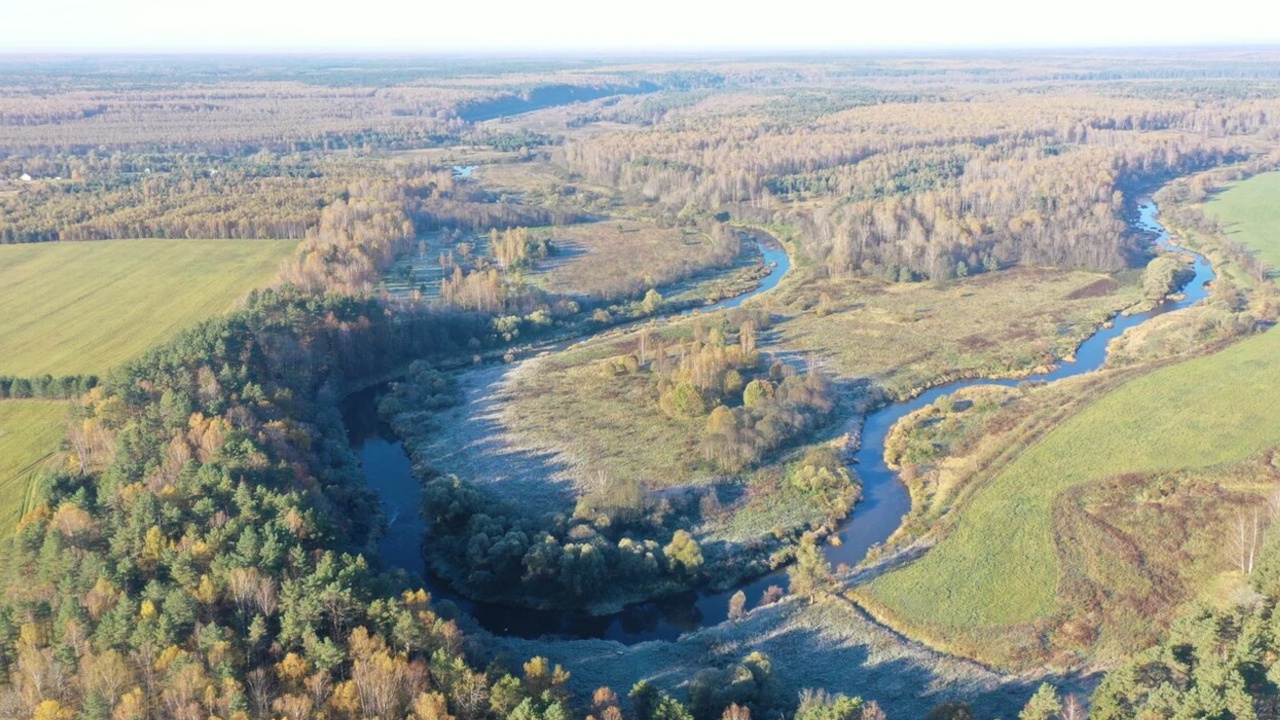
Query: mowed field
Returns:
{"type": "Point", "coordinates": [84, 308]}
{"type": "Point", "coordinates": [999, 568]}
{"type": "Point", "coordinates": [30, 431]}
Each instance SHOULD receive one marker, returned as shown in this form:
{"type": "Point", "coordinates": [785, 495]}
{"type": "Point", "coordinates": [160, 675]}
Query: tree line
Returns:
{"type": "Point", "coordinates": [63, 387]}
{"type": "Point", "coordinates": [205, 554]}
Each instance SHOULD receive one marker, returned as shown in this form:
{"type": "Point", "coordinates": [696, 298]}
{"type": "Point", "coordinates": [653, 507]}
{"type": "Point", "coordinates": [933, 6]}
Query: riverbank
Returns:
{"type": "Point", "coordinates": [866, 657]}
{"type": "Point", "coordinates": [696, 618]}
{"type": "Point", "coordinates": [396, 480]}
{"type": "Point", "coordinates": [1034, 547]}
{"type": "Point", "coordinates": [880, 512]}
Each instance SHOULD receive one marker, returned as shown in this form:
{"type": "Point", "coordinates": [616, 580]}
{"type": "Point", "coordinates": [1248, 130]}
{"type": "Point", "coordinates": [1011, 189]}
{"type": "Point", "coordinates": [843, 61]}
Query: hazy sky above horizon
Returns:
{"type": "Point", "coordinates": [598, 25]}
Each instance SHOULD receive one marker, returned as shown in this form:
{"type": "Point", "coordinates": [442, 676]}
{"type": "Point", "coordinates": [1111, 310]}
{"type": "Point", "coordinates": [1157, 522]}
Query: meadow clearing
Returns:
{"type": "Point", "coordinates": [614, 259]}
{"type": "Point", "coordinates": [86, 307]}
{"type": "Point", "coordinates": [1250, 214]}
{"type": "Point", "coordinates": [907, 336]}
{"type": "Point", "coordinates": [30, 431]}
{"type": "Point", "coordinates": [548, 429]}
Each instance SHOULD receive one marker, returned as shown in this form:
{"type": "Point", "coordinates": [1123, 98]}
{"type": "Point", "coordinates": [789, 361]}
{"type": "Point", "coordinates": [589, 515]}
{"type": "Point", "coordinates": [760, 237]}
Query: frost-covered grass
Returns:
{"type": "Point", "coordinates": [842, 651]}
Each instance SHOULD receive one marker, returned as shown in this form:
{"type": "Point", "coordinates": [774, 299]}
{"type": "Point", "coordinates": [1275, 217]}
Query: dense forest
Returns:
{"type": "Point", "coordinates": [941, 190]}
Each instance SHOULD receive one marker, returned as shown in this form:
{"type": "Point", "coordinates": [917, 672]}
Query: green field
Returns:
{"type": "Point", "coordinates": [83, 308]}
{"type": "Point", "coordinates": [999, 567]}
{"type": "Point", "coordinates": [30, 431]}
{"type": "Point", "coordinates": [1250, 213]}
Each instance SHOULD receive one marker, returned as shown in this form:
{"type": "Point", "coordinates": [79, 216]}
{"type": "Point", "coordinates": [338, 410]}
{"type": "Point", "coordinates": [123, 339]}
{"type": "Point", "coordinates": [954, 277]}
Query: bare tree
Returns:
{"type": "Point", "coordinates": [1247, 538]}
{"type": "Point", "coordinates": [265, 597]}
{"type": "Point", "coordinates": [872, 711]}
{"type": "Point", "coordinates": [259, 686]}
{"type": "Point", "coordinates": [1073, 708]}
{"type": "Point", "coordinates": [747, 337]}
{"type": "Point", "coordinates": [318, 688]}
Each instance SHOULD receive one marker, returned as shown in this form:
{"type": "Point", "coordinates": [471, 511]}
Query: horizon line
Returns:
{"type": "Point", "coordinates": [588, 53]}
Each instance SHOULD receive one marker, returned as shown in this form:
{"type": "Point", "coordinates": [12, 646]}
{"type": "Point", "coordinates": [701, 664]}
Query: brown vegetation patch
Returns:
{"type": "Point", "coordinates": [1136, 547]}
{"type": "Point", "coordinates": [620, 258]}
{"type": "Point", "coordinates": [975, 342]}
{"type": "Point", "coordinates": [1099, 288]}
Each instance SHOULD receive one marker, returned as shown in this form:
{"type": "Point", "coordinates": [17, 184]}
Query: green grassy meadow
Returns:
{"type": "Point", "coordinates": [1250, 213]}
{"type": "Point", "coordinates": [999, 568]}
{"type": "Point", "coordinates": [30, 431]}
{"type": "Point", "coordinates": [84, 308]}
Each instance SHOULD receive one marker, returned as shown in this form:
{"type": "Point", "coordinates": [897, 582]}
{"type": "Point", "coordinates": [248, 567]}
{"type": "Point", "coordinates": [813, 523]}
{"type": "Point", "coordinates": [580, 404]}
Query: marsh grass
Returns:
{"type": "Point", "coordinates": [907, 336]}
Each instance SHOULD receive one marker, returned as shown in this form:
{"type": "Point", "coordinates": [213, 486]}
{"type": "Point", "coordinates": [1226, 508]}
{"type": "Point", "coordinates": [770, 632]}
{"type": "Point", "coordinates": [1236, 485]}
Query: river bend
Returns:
{"type": "Point", "coordinates": [885, 500]}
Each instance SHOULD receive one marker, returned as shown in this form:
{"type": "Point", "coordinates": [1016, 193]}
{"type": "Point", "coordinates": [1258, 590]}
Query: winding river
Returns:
{"type": "Point", "coordinates": [885, 499]}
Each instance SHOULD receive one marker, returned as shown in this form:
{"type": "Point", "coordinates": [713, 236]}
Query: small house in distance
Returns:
{"type": "Point", "coordinates": [25, 177]}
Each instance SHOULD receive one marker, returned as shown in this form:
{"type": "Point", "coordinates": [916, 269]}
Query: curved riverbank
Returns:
{"type": "Point", "coordinates": [885, 500]}
{"type": "Point", "coordinates": [388, 471]}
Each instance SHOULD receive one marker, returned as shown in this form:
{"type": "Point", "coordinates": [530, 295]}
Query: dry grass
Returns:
{"type": "Point", "coordinates": [563, 412]}
{"type": "Point", "coordinates": [909, 335]}
{"type": "Point", "coordinates": [1136, 548]}
{"type": "Point", "coordinates": [620, 258]}
{"type": "Point", "coordinates": [520, 177]}
{"type": "Point", "coordinates": [462, 155]}
{"type": "Point", "coordinates": [540, 430]}
{"type": "Point", "coordinates": [608, 424]}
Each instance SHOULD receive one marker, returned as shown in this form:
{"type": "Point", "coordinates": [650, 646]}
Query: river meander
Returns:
{"type": "Point", "coordinates": [885, 501]}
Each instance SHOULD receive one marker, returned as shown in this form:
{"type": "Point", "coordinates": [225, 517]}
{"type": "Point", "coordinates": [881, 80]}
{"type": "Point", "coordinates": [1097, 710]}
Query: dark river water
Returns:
{"type": "Point", "coordinates": [885, 499]}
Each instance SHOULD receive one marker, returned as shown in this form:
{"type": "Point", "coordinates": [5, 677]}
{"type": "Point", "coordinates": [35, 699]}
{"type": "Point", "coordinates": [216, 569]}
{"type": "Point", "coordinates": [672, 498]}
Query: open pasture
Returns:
{"type": "Point", "coordinates": [86, 307]}
{"type": "Point", "coordinates": [30, 431]}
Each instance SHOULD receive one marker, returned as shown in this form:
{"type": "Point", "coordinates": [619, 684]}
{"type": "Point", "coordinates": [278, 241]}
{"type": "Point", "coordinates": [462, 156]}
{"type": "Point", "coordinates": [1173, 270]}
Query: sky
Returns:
{"type": "Point", "coordinates": [600, 26]}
